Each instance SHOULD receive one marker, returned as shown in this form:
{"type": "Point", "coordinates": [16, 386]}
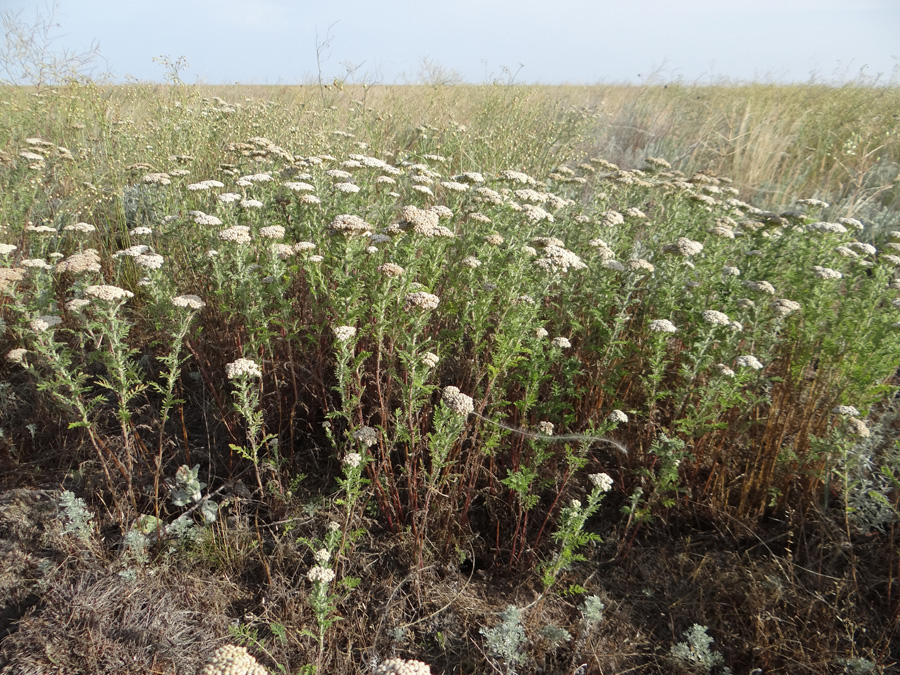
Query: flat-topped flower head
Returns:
{"type": "Point", "coordinates": [188, 301]}
{"type": "Point", "coordinates": [320, 575]}
{"type": "Point", "coordinates": [344, 333]}
{"type": "Point", "coordinates": [402, 667]}
{"type": "Point", "coordinates": [724, 370]}
{"type": "Point", "coordinates": [233, 660]}
{"type": "Point", "coordinates": [242, 368]}
{"type": "Point", "coordinates": [826, 273]}
{"type": "Point", "coordinates": [639, 265]}
{"type": "Point", "coordinates": [603, 481]}
{"type": "Point", "coordinates": [349, 225]}
{"type": "Point", "coordinates": [16, 355]}
{"type": "Point", "coordinates": [6, 249]}
{"type": "Point", "coordinates": [715, 318]}
{"type": "Point", "coordinates": [236, 234]}
{"type": "Point", "coordinates": [618, 417]}
{"type": "Point", "coordinates": [684, 247]}
{"type": "Point", "coordinates": [367, 436]}
{"type": "Point", "coordinates": [390, 269]}
{"type": "Point", "coordinates": [44, 323]}
{"type": "Point", "coordinates": [430, 359]}
{"type": "Point", "coordinates": [422, 300]}
{"type": "Point", "coordinates": [561, 342]}
{"type": "Point", "coordinates": [546, 428]}
{"type": "Point", "coordinates": [457, 401]}
{"type": "Point", "coordinates": [272, 232]}
{"type": "Point", "coordinates": [783, 306]}
{"type": "Point", "coordinates": [108, 293]}
{"type": "Point", "coordinates": [749, 361]}
{"type": "Point", "coordinates": [662, 326]}
{"type": "Point", "coordinates": [845, 410]}
{"type": "Point", "coordinates": [761, 286]}
{"type": "Point", "coordinates": [82, 228]}
{"type": "Point", "coordinates": [86, 261]}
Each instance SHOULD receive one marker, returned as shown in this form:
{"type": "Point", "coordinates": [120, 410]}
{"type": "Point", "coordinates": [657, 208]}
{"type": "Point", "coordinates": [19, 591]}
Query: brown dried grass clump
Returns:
{"type": "Point", "coordinates": [97, 621]}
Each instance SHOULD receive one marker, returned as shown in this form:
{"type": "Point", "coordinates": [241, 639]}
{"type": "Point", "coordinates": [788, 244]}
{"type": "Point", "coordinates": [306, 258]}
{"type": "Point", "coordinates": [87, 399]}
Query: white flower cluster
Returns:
{"type": "Point", "coordinates": [457, 401]}
{"type": "Point", "coordinates": [6, 249]}
{"type": "Point", "coordinates": [761, 286]}
{"type": "Point", "coordinates": [390, 269]}
{"type": "Point", "coordinates": [546, 428]}
{"type": "Point", "coordinates": [639, 265]}
{"type": "Point", "coordinates": [205, 185]}
{"type": "Point", "coordinates": [16, 355]}
{"type": "Point", "coordinates": [108, 293]}
{"type": "Point", "coordinates": [830, 228]}
{"type": "Point", "coordinates": [662, 326]}
{"type": "Point", "coordinates": [344, 333]}
{"type": "Point", "coordinates": [272, 232]}
{"type": "Point", "coordinates": [86, 261]}
{"type": "Point", "coordinates": [84, 228]}
{"type": "Point", "coordinates": [826, 272]}
{"type": "Point", "coordinates": [422, 300]}
{"type": "Point", "coordinates": [45, 322]}
{"type": "Point", "coordinates": [557, 258]}
{"type": "Point", "coordinates": [602, 481]}
{"type": "Point", "coordinates": [684, 246]}
{"type": "Point", "coordinates": [402, 667]}
{"type": "Point", "coordinates": [430, 359]}
{"type": "Point", "coordinates": [242, 368]}
{"type": "Point", "coordinates": [353, 459]}
{"type": "Point", "coordinates": [238, 234]}
{"type": "Point", "coordinates": [150, 261]}
{"type": "Point", "coordinates": [618, 417]}
{"type": "Point", "coordinates": [749, 361]}
{"type": "Point", "coordinates": [724, 370]}
{"type": "Point", "coordinates": [233, 660]}
{"type": "Point", "coordinates": [320, 575]}
{"type": "Point", "coordinates": [561, 342]}
{"type": "Point", "coordinates": [845, 410]}
{"type": "Point", "coordinates": [715, 318]}
{"type": "Point", "coordinates": [783, 306]}
{"type": "Point", "coordinates": [188, 301]}
{"type": "Point", "coordinates": [349, 225]}
{"type": "Point", "coordinates": [366, 435]}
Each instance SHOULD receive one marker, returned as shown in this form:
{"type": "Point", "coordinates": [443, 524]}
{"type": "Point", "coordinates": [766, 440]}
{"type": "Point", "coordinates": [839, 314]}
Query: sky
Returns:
{"type": "Point", "coordinates": [550, 42]}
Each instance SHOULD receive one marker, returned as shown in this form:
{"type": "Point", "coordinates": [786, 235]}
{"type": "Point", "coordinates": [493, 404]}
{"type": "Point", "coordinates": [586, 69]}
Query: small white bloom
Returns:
{"type": "Point", "coordinates": [188, 301]}
{"type": "Point", "coordinates": [45, 322]}
{"type": "Point", "coordinates": [618, 417]}
{"type": "Point", "coordinates": [320, 575]}
{"type": "Point", "coordinates": [749, 361]}
{"type": "Point", "coordinates": [662, 326]}
{"type": "Point", "coordinates": [344, 333]}
{"type": "Point", "coordinates": [561, 342]}
{"type": "Point", "coordinates": [602, 481]}
{"type": "Point", "coordinates": [242, 368]}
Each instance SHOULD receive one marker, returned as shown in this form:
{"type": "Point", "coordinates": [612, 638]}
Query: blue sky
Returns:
{"type": "Point", "coordinates": [552, 41]}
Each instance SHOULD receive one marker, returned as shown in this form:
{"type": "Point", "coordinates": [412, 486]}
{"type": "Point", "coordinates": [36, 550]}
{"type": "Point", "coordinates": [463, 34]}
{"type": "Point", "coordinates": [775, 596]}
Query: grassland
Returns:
{"type": "Point", "coordinates": [497, 378]}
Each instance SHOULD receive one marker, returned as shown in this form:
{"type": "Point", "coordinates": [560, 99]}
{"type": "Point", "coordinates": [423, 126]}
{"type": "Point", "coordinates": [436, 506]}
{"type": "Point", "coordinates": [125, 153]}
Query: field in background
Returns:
{"type": "Point", "coordinates": [500, 378]}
